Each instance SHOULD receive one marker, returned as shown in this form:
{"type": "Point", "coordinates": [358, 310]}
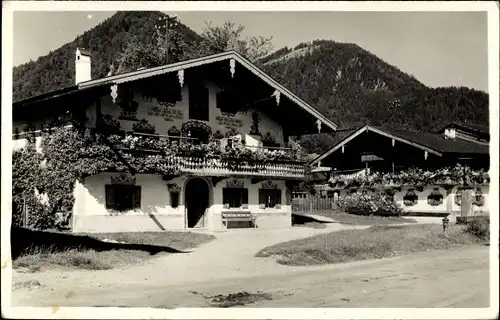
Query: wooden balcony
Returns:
{"type": "Point", "coordinates": [208, 164]}
{"type": "Point", "coordinates": [219, 167]}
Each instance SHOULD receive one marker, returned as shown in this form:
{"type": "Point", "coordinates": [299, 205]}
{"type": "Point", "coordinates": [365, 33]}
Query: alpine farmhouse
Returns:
{"type": "Point", "coordinates": [221, 103]}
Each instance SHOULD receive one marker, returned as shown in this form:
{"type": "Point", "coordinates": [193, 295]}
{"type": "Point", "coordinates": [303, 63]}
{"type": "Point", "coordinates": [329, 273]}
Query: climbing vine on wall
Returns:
{"type": "Point", "coordinates": [413, 177]}
{"type": "Point", "coordinates": [69, 154]}
{"type": "Point", "coordinates": [27, 176]}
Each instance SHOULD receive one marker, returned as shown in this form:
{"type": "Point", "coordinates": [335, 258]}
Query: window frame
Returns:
{"type": "Point", "coordinates": [243, 197]}
{"type": "Point", "coordinates": [114, 191]}
{"type": "Point", "coordinates": [196, 105]}
{"type": "Point", "coordinates": [264, 198]}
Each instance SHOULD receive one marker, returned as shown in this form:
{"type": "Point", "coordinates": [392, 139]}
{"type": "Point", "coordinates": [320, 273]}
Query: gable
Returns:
{"type": "Point", "coordinates": [431, 143]}
{"type": "Point", "coordinates": [255, 88]}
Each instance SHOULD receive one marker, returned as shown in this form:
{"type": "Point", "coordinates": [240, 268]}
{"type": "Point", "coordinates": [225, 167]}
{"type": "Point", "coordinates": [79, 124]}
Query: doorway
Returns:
{"type": "Point", "coordinates": [197, 201]}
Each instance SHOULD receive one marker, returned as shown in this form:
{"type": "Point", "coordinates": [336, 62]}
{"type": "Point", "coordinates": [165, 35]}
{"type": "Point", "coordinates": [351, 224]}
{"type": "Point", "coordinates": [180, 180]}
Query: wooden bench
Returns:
{"type": "Point", "coordinates": [238, 216]}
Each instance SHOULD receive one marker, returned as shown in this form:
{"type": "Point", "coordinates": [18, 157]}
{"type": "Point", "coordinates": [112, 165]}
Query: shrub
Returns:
{"type": "Point", "coordinates": [479, 227]}
{"type": "Point", "coordinates": [369, 204]}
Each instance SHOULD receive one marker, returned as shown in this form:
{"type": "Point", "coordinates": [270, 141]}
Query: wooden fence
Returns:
{"type": "Point", "coordinates": [311, 204]}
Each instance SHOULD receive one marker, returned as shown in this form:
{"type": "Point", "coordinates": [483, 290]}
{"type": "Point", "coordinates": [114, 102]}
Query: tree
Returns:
{"type": "Point", "coordinates": [229, 37]}
{"type": "Point", "coordinates": [213, 40]}
{"type": "Point", "coordinates": [140, 55]}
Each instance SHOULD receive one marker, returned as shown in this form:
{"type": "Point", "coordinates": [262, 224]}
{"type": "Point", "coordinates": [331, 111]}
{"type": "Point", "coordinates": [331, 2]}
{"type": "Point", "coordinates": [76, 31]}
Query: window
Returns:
{"type": "Point", "coordinates": [435, 198]}
{"type": "Point", "coordinates": [269, 197]}
{"type": "Point", "coordinates": [200, 135]}
{"type": "Point", "coordinates": [174, 199]}
{"type": "Point", "coordinates": [235, 197]}
{"type": "Point", "coordinates": [123, 197]}
{"type": "Point", "coordinates": [389, 195]}
{"type": "Point", "coordinates": [198, 102]}
{"type": "Point", "coordinates": [410, 198]}
{"type": "Point", "coordinates": [478, 198]}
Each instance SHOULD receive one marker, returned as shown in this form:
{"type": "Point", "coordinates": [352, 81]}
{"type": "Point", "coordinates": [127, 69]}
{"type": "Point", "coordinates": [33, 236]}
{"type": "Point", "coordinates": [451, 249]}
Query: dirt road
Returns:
{"type": "Point", "coordinates": [452, 278]}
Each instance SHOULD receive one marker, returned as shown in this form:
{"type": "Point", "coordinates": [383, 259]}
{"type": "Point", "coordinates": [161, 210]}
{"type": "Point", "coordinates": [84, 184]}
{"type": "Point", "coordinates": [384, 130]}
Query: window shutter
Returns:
{"type": "Point", "coordinates": [110, 196]}
{"type": "Point", "coordinates": [137, 197]}
{"type": "Point", "coordinates": [244, 196]}
{"type": "Point", "coordinates": [262, 197]}
{"type": "Point", "coordinates": [174, 199]}
{"type": "Point", "coordinates": [278, 196]}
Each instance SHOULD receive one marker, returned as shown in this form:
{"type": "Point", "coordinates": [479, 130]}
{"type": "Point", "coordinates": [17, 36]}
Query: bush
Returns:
{"type": "Point", "coordinates": [369, 204]}
{"type": "Point", "coordinates": [479, 227]}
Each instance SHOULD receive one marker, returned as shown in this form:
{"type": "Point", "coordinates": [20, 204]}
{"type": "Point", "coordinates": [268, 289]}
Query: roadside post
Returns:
{"type": "Point", "coordinates": [446, 222]}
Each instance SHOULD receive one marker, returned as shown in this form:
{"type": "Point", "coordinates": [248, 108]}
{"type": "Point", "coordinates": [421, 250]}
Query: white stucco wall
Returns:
{"type": "Point", "coordinates": [449, 204]}
{"type": "Point", "coordinates": [179, 114]}
{"type": "Point", "coordinates": [266, 218]}
{"type": "Point", "coordinates": [21, 143]}
{"type": "Point", "coordinates": [90, 213]}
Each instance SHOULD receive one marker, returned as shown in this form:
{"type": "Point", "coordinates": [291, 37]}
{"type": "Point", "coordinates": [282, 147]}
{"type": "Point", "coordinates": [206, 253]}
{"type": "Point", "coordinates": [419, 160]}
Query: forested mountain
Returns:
{"type": "Point", "coordinates": [354, 87]}
{"type": "Point", "coordinates": [106, 41]}
{"type": "Point", "coordinates": [345, 82]}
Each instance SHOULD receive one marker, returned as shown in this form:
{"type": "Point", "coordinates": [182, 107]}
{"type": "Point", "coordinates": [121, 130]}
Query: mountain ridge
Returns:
{"type": "Point", "coordinates": [347, 83]}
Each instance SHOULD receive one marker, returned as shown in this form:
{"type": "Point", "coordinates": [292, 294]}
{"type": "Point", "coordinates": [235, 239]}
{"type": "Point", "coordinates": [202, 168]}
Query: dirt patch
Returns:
{"type": "Point", "coordinates": [241, 298]}
{"type": "Point", "coordinates": [28, 285]}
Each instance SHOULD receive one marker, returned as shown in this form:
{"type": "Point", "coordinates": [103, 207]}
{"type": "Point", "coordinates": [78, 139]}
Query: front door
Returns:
{"type": "Point", "coordinates": [197, 197]}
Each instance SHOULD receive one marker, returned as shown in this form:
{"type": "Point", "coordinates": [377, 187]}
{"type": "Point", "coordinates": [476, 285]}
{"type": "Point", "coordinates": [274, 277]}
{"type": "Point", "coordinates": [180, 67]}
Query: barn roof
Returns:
{"type": "Point", "coordinates": [431, 142]}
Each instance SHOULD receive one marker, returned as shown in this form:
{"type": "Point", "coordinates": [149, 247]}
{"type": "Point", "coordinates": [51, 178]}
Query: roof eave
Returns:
{"type": "Point", "coordinates": [145, 73]}
{"type": "Point", "coordinates": [375, 130]}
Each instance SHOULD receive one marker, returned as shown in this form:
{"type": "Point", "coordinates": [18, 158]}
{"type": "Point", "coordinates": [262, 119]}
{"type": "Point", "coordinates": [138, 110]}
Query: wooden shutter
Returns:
{"type": "Point", "coordinates": [244, 196]}
{"type": "Point", "coordinates": [225, 196]}
{"type": "Point", "coordinates": [137, 197]}
{"type": "Point", "coordinates": [278, 196]}
{"type": "Point", "coordinates": [198, 101]}
{"type": "Point", "coordinates": [262, 197]}
{"type": "Point", "coordinates": [110, 196]}
{"type": "Point", "coordinates": [174, 199]}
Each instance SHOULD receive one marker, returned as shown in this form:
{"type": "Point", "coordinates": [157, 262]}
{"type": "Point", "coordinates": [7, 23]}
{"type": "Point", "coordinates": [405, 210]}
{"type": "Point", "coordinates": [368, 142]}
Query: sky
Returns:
{"type": "Point", "coordinates": [438, 48]}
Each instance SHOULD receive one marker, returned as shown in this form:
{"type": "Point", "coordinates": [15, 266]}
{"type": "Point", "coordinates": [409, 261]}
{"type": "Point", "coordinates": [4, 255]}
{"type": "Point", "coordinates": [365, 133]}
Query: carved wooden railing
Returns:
{"type": "Point", "coordinates": [219, 167]}
{"type": "Point", "coordinates": [215, 166]}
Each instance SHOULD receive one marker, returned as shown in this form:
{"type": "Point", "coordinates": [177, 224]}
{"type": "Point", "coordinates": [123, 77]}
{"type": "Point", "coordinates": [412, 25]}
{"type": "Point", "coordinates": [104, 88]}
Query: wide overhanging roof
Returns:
{"type": "Point", "coordinates": [327, 125]}
{"type": "Point", "coordinates": [433, 143]}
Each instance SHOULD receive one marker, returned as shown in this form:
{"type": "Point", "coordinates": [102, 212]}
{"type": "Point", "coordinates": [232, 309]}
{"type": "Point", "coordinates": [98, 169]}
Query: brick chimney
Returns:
{"type": "Point", "coordinates": [82, 65]}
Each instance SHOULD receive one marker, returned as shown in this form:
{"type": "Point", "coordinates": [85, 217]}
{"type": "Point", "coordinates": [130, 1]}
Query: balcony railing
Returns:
{"type": "Point", "coordinates": [213, 159]}
{"type": "Point", "coordinates": [220, 167]}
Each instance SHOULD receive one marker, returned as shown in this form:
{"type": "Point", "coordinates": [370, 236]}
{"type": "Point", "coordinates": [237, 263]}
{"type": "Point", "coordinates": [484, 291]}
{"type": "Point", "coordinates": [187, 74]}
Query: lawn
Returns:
{"type": "Point", "coordinates": [357, 220]}
{"type": "Point", "coordinates": [372, 243]}
{"type": "Point", "coordinates": [36, 258]}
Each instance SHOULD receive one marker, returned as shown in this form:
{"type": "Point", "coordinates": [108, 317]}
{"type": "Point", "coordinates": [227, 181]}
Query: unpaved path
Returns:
{"type": "Point", "coordinates": [231, 254]}
{"type": "Point", "coordinates": [458, 277]}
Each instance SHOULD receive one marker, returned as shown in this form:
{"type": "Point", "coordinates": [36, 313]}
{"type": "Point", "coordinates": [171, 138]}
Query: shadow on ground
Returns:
{"type": "Point", "coordinates": [24, 239]}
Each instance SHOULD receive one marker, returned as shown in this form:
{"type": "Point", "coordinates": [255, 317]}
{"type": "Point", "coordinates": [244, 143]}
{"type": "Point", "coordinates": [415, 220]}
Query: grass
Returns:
{"type": "Point", "coordinates": [370, 220]}
{"type": "Point", "coordinates": [359, 220]}
{"type": "Point", "coordinates": [35, 258]}
{"type": "Point", "coordinates": [177, 240]}
{"type": "Point", "coordinates": [372, 243]}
